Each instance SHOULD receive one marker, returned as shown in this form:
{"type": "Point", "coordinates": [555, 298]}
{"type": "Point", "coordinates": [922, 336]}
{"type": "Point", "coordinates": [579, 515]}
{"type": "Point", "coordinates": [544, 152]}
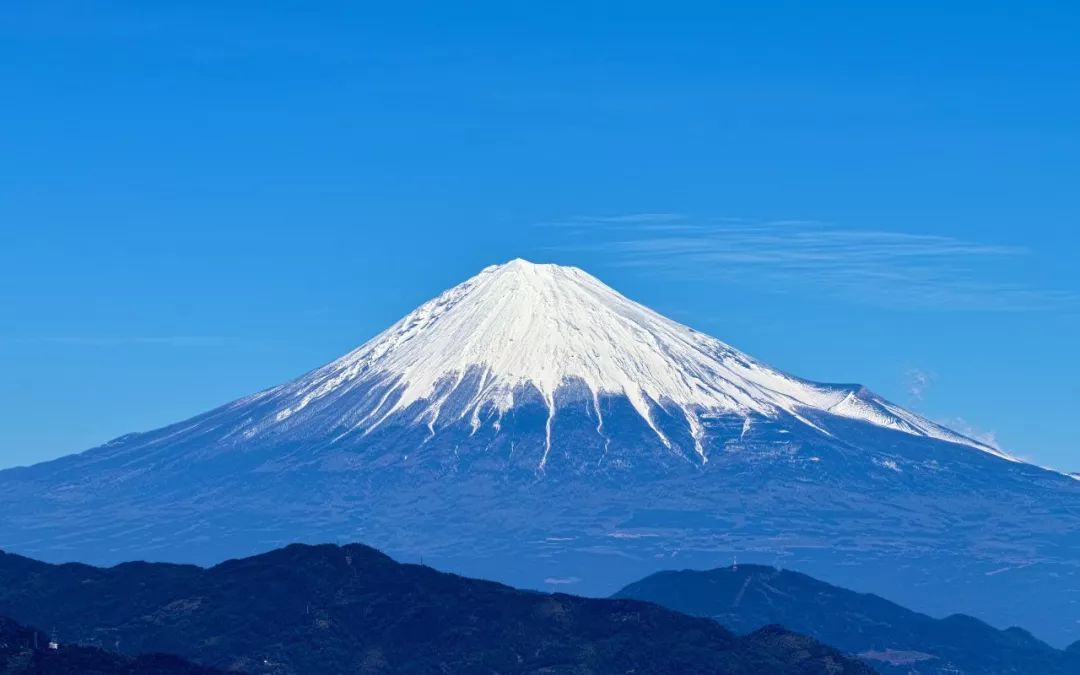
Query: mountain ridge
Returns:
{"type": "Point", "coordinates": [886, 635]}
{"type": "Point", "coordinates": [324, 609]}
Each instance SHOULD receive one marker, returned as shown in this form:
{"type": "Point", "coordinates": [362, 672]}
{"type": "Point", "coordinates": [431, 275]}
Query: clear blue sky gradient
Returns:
{"type": "Point", "coordinates": [199, 200]}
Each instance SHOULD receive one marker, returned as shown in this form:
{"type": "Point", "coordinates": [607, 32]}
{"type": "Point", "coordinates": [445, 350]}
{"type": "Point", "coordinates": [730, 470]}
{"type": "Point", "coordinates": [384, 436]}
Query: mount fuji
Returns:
{"type": "Point", "coordinates": [534, 426]}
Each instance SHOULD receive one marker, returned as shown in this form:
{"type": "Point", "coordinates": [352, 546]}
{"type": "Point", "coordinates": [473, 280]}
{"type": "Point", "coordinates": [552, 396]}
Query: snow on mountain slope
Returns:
{"type": "Point", "coordinates": [522, 324]}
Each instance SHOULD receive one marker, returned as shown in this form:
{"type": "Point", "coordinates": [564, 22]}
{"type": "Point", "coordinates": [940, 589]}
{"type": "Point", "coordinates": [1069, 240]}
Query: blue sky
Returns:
{"type": "Point", "coordinates": [199, 200]}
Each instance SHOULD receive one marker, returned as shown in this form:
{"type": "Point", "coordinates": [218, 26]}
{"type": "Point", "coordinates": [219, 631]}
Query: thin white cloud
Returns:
{"type": "Point", "coordinates": [961, 425]}
{"type": "Point", "coordinates": [621, 219]}
{"type": "Point", "coordinates": [918, 382]}
{"type": "Point", "coordinates": [561, 581]}
{"type": "Point", "coordinates": [869, 265]}
{"type": "Point", "coordinates": [118, 340]}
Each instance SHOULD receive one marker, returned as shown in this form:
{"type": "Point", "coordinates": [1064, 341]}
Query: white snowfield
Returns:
{"type": "Point", "coordinates": [523, 323]}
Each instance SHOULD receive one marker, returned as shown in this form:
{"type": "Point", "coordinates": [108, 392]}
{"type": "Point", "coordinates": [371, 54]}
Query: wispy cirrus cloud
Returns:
{"type": "Point", "coordinates": [869, 265]}
{"type": "Point", "coordinates": [918, 382]}
{"type": "Point", "coordinates": [982, 435]}
{"type": "Point", "coordinates": [118, 340]}
{"type": "Point", "coordinates": [626, 218]}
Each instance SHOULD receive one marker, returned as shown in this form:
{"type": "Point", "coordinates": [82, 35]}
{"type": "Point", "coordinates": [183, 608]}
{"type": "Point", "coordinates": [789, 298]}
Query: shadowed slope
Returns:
{"type": "Point", "coordinates": [893, 639]}
{"type": "Point", "coordinates": [25, 650]}
{"type": "Point", "coordinates": [352, 609]}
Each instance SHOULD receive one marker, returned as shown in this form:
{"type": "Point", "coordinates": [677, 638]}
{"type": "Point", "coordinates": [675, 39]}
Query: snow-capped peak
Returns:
{"type": "Point", "coordinates": [547, 325]}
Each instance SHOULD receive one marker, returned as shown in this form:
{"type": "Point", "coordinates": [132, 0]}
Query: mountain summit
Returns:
{"type": "Point", "coordinates": [520, 331]}
{"type": "Point", "coordinates": [534, 426]}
